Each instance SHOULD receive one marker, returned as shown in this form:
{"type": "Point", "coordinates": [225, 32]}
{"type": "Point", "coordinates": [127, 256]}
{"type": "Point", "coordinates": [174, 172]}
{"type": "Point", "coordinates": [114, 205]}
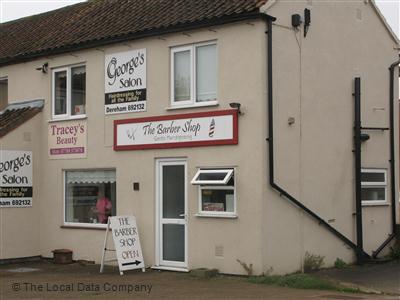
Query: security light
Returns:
{"type": "Point", "coordinates": [296, 20]}
{"type": "Point", "coordinates": [44, 68]}
{"type": "Point", "coordinates": [236, 105]}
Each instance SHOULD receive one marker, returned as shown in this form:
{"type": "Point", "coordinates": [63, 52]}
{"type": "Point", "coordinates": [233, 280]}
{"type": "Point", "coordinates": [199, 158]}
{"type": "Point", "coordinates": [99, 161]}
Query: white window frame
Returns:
{"type": "Point", "coordinates": [370, 184]}
{"type": "Point", "coordinates": [192, 101]}
{"type": "Point", "coordinates": [220, 186]}
{"type": "Point", "coordinates": [69, 91]}
{"type": "Point", "coordinates": [64, 191]}
{"type": "Point", "coordinates": [4, 78]}
{"type": "Point", "coordinates": [224, 181]}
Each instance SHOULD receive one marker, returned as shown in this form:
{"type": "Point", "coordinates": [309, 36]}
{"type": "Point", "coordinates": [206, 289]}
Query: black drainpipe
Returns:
{"type": "Point", "coordinates": [357, 152]}
{"type": "Point", "coordinates": [270, 140]}
{"type": "Point", "coordinates": [392, 161]}
{"type": "Point", "coordinates": [392, 146]}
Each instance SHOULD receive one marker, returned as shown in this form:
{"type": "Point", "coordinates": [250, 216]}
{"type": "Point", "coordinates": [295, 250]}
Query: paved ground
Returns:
{"type": "Point", "coordinates": [49, 281]}
{"type": "Point", "coordinates": [383, 277]}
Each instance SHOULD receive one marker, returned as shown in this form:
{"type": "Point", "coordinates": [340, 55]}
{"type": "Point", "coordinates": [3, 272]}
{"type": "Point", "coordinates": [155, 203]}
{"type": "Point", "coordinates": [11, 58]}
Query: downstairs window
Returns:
{"type": "Point", "coordinates": [217, 193]}
{"type": "Point", "coordinates": [90, 196]}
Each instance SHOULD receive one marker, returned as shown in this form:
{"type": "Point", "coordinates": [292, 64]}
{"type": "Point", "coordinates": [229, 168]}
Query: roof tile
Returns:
{"type": "Point", "coordinates": [96, 20]}
{"type": "Point", "coordinates": [17, 114]}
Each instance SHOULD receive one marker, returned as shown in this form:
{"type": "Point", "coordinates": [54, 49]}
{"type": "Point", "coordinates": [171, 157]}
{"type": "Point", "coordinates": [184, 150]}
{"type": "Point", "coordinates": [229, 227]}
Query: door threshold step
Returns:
{"type": "Point", "coordinates": [165, 268]}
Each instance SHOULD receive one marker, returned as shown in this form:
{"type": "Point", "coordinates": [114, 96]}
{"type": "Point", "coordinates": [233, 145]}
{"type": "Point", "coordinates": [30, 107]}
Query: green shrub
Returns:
{"type": "Point", "coordinates": [395, 252]}
{"type": "Point", "coordinates": [301, 281]}
{"type": "Point", "coordinates": [246, 267]}
{"type": "Point", "coordinates": [340, 264]}
{"type": "Point", "coordinates": [312, 262]}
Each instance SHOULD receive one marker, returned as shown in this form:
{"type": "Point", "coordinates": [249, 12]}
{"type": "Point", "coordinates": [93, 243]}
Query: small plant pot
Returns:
{"type": "Point", "coordinates": [62, 256]}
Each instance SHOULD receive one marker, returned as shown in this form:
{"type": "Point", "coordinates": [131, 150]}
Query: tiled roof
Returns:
{"type": "Point", "coordinates": [97, 22]}
{"type": "Point", "coordinates": [15, 115]}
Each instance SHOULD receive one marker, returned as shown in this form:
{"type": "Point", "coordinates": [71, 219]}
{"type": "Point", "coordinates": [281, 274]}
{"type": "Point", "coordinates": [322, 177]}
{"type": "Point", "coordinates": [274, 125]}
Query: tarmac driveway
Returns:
{"type": "Point", "coordinates": [44, 280]}
{"type": "Point", "coordinates": [382, 277]}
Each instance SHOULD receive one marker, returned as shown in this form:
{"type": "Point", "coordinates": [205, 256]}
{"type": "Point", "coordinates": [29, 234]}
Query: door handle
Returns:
{"type": "Point", "coordinates": [183, 215]}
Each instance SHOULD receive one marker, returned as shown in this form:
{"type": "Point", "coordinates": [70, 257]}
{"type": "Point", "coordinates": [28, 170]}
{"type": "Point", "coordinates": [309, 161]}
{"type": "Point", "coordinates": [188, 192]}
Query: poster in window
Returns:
{"type": "Point", "coordinates": [16, 178]}
{"type": "Point", "coordinates": [210, 206]}
{"type": "Point", "coordinates": [125, 82]}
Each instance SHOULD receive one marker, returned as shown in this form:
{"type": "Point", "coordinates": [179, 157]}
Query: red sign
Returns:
{"type": "Point", "coordinates": [174, 131]}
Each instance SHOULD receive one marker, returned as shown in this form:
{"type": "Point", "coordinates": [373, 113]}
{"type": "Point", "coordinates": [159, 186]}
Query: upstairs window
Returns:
{"type": "Point", "coordinates": [373, 186]}
{"type": "Point", "coordinates": [3, 93]}
{"type": "Point", "coordinates": [69, 92]}
{"type": "Point", "coordinates": [194, 74]}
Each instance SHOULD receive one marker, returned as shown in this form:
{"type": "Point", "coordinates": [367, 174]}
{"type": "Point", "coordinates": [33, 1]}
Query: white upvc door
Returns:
{"type": "Point", "coordinates": [171, 212]}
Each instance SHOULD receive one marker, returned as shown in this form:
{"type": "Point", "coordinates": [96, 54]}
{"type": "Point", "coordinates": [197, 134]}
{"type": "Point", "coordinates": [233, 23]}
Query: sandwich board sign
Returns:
{"type": "Point", "coordinates": [126, 243]}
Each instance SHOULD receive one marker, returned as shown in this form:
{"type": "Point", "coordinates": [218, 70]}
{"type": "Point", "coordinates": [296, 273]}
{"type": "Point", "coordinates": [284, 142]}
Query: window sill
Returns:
{"type": "Point", "coordinates": [374, 203]}
{"type": "Point", "coordinates": [85, 226]}
{"type": "Point", "coordinates": [80, 117]}
{"type": "Point", "coordinates": [205, 104]}
{"type": "Point", "coordinates": [227, 216]}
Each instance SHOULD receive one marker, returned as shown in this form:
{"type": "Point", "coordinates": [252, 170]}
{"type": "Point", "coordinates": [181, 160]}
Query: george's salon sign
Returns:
{"type": "Point", "coordinates": [185, 130]}
{"type": "Point", "coordinates": [67, 139]}
{"type": "Point", "coordinates": [125, 82]}
{"type": "Point", "coordinates": [15, 178]}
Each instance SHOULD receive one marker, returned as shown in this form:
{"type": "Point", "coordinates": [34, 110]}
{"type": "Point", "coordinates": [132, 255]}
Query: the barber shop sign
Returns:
{"type": "Point", "coordinates": [210, 128]}
{"type": "Point", "coordinates": [15, 178]}
{"type": "Point", "coordinates": [125, 82]}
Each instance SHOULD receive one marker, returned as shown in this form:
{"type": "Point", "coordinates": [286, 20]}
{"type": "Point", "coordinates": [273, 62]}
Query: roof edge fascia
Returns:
{"type": "Point", "coordinates": [255, 14]}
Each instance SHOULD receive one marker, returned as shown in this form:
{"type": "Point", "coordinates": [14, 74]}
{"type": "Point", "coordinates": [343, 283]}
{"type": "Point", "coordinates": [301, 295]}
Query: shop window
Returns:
{"type": "Point", "coordinates": [217, 193]}
{"type": "Point", "coordinates": [90, 196]}
{"type": "Point", "coordinates": [194, 75]}
{"type": "Point", "coordinates": [3, 93]}
{"type": "Point", "coordinates": [373, 186]}
{"type": "Point", "coordinates": [69, 92]}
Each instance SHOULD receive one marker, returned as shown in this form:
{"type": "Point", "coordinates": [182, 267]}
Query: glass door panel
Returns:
{"type": "Point", "coordinates": [172, 230]}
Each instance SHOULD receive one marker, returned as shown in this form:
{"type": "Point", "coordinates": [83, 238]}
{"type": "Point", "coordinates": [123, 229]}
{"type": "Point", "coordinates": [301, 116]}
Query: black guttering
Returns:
{"type": "Point", "coordinates": [392, 161]}
{"type": "Point", "coordinates": [270, 140]}
{"type": "Point", "coordinates": [357, 168]}
{"type": "Point", "coordinates": [134, 36]}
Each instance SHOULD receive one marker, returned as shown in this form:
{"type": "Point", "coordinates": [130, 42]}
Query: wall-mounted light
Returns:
{"type": "Point", "coordinates": [44, 68]}
{"type": "Point", "coordinates": [364, 137]}
{"type": "Point", "coordinates": [236, 105]}
{"type": "Point", "coordinates": [296, 20]}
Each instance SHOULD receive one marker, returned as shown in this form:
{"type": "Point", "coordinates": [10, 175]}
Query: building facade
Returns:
{"type": "Point", "coordinates": [170, 126]}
